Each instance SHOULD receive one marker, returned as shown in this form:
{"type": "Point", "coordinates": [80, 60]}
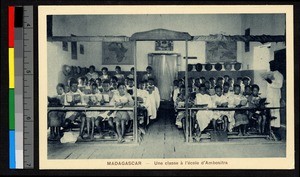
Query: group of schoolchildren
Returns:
{"type": "Point", "coordinates": [221, 93]}
{"type": "Point", "coordinates": [102, 90]}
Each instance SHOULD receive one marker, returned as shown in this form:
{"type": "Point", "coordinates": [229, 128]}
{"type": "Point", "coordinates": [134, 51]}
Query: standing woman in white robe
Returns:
{"type": "Point", "coordinates": [274, 93]}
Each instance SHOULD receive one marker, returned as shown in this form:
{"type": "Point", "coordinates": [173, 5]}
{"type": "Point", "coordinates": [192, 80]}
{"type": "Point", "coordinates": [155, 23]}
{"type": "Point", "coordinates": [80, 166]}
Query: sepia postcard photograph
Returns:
{"type": "Point", "coordinates": [166, 87]}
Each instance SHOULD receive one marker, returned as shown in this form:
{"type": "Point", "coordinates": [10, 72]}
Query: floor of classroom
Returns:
{"type": "Point", "coordinates": [164, 140]}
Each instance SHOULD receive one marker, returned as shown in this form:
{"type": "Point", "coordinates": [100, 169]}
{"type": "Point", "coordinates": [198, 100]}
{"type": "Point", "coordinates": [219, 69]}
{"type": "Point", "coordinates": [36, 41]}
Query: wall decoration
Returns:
{"type": "Point", "coordinates": [247, 44]}
{"type": "Point", "coordinates": [65, 46]}
{"type": "Point", "coordinates": [221, 51]}
{"type": "Point", "coordinates": [164, 45]}
{"type": "Point", "coordinates": [73, 49]}
{"type": "Point", "coordinates": [81, 49]}
{"type": "Point", "coordinates": [117, 53]}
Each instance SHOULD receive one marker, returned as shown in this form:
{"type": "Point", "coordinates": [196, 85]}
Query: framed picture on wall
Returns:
{"type": "Point", "coordinates": [221, 51]}
{"type": "Point", "coordinates": [164, 45]}
{"type": "Point", "coordinates": [117, 53]}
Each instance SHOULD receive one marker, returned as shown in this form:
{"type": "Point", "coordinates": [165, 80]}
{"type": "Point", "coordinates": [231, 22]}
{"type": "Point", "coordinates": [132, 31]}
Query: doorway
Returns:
{"type": "Point", "coordinates": [165, 68]}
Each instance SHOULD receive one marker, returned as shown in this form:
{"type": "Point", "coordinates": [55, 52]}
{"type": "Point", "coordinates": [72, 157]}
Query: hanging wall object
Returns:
{"type": "Point", "coordinates": [221, 51]}
{"type": "Point", "coordinates": [227, 66]}
{"type": "Point", "coordinates": [73, 49]}
{"type": "Point", "coordinates": [190, 67]}
{"type": "Point", "coordinates": [117, 53]}
{"type": "Point", "coordinates": [81, 49]}
{"type": "Point", "coordinates": [199, 67]}
{"type": "Point", "coordinates": [237, 66]}
{"type": "Point", "coordinates": [208, 66]}
{"type": "Point", "coordinates": [164, 45]}
{"type": "Point", "coordinates": [218, 66]}
{"type": "Point", "coordinates": [65, 46]}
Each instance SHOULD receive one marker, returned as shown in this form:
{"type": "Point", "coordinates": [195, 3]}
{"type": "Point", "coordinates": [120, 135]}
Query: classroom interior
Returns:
{"type": "Point", "coordinates": [251, 60]}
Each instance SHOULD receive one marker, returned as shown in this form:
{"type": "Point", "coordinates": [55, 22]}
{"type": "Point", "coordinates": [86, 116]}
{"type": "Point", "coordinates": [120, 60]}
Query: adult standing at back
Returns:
{"type": "Point", "coordinates": [274, 85]}
{"type": "Point", "coordinates": [92, 74]}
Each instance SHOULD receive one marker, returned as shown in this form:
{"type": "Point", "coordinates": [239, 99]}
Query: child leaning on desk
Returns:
{"type": "Point", "coordinates": [74, 97]}
{"type": "Point", "coordinates": [203, 116]}
{"type": "Point", "coordinates": [240, 116]}
{"type": "Point", "coordinates": [121, 99]}
{"type": "Point", "coordinates": [95, 98]}
{"type": "Point", "coordinates": [55, 118]}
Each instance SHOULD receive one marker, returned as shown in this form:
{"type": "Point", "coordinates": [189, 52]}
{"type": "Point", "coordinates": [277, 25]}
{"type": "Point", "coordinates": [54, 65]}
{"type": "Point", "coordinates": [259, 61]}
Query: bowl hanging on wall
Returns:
{"type": "Point", "coordinates": [199, 67]}
{"type": "Point", "coordinates": [208, 66]}
{"type": "Point", "coordinates": [218, 66]}
{"type": "Point", "coordinates": [227, 66]}
{"type": "Point", "coordinates": [237, 66]}
{"type": "Point", "coordinates": [190, 67]}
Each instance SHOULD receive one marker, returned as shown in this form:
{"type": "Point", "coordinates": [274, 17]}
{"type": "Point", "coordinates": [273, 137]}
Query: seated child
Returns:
{"type": "Point", "coordinates": [55, 118]}
{"type": "Point", "coordinates": [219, 100]}
{"type": "Point", "coordinates": [180, 102]}
{"type": "Point", "coordinates": [81, 84]}
{"type": "Point", "coordinates": [203, 116]}
{"type": "Point", "coordinates": [93, 99]}
{"type": "Point", "coordinates": [107, 95]}
{"type": "Point", "coordinates": [121, 99]}
{"type": "Point", "coordinates": [257, 114]}
{"type": "Point", "coordinates": [230, 114]}
{"type": "Point", "coordinates": [240, 116]}
{"type": "Point", "coordinates": [72, 98]}
{"type": "Point", "coordinates": [130, 87]}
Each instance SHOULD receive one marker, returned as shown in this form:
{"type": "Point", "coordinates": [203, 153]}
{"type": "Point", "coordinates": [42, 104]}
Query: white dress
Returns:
{"type": "Point", "coordinates": [274, 96]}
{"type": "Point", "coordinates": [217, 100]}
{"type": "Point", "coordinates": [204, 116]}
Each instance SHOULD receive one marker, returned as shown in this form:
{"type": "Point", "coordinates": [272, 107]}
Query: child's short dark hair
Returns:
{"type": "Point", "coordinates": [226, 76]}
{"type": "Point", "coordinates": [236, 85]}
{"type": "Point", "coordinates": [247, 86]}
{"type": "Point", "coordinates": [132, 69]}
{"type": "Point", "coordinates": [61, 85]}
{"type": "Point", "coordinates": [120, 84]}
{"type": "Point", "coordinates": [239, 78]}
{"type": "Point", "coordinates": [220, 78]}
{"type": "Point", "coordinates": [118, 67]}
{"type": "Point", "coordinates": [226, 84]}
{"type": "Point", "coordinates": [202, 85]}
{"type": "Point", "coordinates": [149, 67]}
{"type": "Point", "coordinates": [104, 68]}
{"type": "Point", "coordinates": [255, 86]}
{"type": "Point", "coordinates": [130, 79]}
{"type": "Point", "coordinates": [218, 87]}
{"type": "Point", "coordinates": [73, 81]}
{"type": "Point", "coordinates": [92, 67]}
{"type": "Point", "coordinates": [94, 85]}
{"type": "Point", "coordinates": [114, 78]}
{"type": "Point", "coordinates": [212, 78]}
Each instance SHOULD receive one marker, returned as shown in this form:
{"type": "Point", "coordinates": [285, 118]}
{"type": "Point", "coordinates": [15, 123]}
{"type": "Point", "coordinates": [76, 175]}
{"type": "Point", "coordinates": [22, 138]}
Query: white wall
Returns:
{"type": "Point", "coordinates": [126, 25]}
{"type": "Point", "coordinates": [261, 24]}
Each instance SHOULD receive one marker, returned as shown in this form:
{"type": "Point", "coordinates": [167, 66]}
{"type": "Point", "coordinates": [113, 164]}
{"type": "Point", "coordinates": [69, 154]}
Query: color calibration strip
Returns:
{"type": "Point", "coordinates": [21, 87]}
{"type": "Point", "coordinates": [11, 60]}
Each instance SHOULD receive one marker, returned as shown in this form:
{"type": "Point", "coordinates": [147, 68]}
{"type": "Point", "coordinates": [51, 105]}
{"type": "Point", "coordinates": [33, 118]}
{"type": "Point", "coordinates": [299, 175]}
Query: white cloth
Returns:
{"type": "Point", "coordinates": [217, 101]}
{"type": "Point", "coordinates": [203, 116]}
{"type": "Point", "coordinates": [93, 75]}
{"type": "Point", "coordinates": [69, 137]}
{"type": "Point", "coordinates": [70, 96]}
{"type": "Point", "coordinates": [175, 94]}
{"type": "Point", "coordinates": [274, 96]}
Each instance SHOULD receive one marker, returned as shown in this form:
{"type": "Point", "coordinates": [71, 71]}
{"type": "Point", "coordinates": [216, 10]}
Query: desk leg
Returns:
{"type": "Point", "coordinates": [190, 126]}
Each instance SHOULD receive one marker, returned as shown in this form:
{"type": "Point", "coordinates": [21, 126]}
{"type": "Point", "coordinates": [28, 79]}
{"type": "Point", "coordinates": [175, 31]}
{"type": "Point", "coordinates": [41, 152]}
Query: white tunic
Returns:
{"type": "Point", "coordinates": [203, 116]}
{"type": "Point", "coordinates": [274, 96]}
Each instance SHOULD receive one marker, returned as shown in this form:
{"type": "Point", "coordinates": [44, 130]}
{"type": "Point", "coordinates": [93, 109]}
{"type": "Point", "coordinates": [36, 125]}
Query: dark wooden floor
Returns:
{"type": "Point", "coordinates": [164, 140]}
